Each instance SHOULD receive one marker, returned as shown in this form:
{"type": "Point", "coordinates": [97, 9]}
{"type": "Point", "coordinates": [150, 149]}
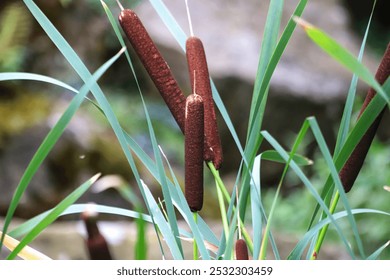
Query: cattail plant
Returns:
{"type": "Point", "coordinates": [194, 146]}
{"type": "Point", "coordinates": [241, 250]}
{"type": "Point", "coordinates": [154, 64]}
{"type": "Point", "coordinates": [352, 166]}
{"type": "Point", "coordinates": [199, 76]}
{"type": "Point", "coordinates": [96, 243]}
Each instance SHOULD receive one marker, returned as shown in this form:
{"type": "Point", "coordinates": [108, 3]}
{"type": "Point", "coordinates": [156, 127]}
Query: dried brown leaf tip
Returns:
{"type": "Point", "coordinates": [352, 166]}
{"type": "Point", "coordinates": [200, 81]}
{"type": "Point", "coordinates": [154, 64]}
{"type": "Point", "coordinates": [241, 250]}
{"type": "Point", "coordinates": [96, 243]}
{"type": "Point", "coordinates": [194, 145]}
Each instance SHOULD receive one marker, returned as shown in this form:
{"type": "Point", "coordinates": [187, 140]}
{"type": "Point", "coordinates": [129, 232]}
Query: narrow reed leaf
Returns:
{"type": "Point", "coordinates": [116, 28]}
{"type": "Point", "coordinates": [269, 42]}
{"type": "Point", "coordinates": [299, 249]}
{"type": "Point", "coordinates": [333, 170]}
{"type": "Point", "coordinates": [274, 156]}
{"type": "Point", "coordinates": [28, 225]}
{"type": "Point", "coordinates": [163, 180]}
{"type": "Point", "coordinates": [228, 247]}
{"type": "Point", "coordinates": [13, 76]}
{"type": "Point", "coordinates": [297, 142]}
{"type": "Point", "coordinates": [52, 216]}
{"type": "Point", "coordinates": [262, 83]}
{"type": "Point", "coordinates": [163, 225]}
{"type": "Point", "coordinates": [259, 99]}
{"type": "Point", "coordinates": [347, 113]}
{"type": "Point", "coordinates": [27, 253]}
{"type": "Point", "coordinates": [379, 251]}
{"type": "Point", "coordinates": [372, 111]}
{"type": "Point", "coordinates": [352, 166]}
{"type": "Point", "coordinates": [209, 246]}
{"type": "Point", "coordinates": [341, 55]}
{"type": "Point", "coordinates": [141, 244]}
{"type": "Point", "coordinates": [254, 139]}
{"type": "Point", "coordinates": [256, 206]}
{"type": "Point", "coordinates": [170, 22]}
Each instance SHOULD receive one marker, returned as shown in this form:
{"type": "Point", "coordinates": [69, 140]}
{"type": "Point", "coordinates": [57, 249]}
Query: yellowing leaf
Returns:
{"type": "Point", "coordinates": [27, 253]}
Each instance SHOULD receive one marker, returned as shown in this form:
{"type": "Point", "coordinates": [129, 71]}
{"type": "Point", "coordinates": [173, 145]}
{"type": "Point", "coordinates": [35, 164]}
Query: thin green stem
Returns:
{"type": "Point", "coordinates": [324, 230]}
{"type": "Point", "coordinates": [221, 186]}
{"type": "Point", "coordinates": [264, 242]}
{"type": "Point", "coordinates": [223, 211]}
{"type": "Point", "coordinates": [195, 245]}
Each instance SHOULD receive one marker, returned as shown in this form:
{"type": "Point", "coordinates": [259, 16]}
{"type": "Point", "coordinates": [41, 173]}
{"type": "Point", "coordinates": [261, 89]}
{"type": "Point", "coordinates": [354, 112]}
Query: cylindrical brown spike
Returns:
{"type": "Point", "coordinates": [96, 243]}
{"type": "Point", "coordinates": [352, 166]}
{"type": "Point", "coordinates": [194, 147]}
{"type": "Point", "coordinates": [200, 80]}
{"type": "Point", "coordinates": [241, 250]}
{"type": "Point", "coordinates": [154, 64]}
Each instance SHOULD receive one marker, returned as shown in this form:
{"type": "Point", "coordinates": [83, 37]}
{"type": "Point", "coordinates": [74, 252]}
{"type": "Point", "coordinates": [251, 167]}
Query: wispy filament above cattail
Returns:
{"type": "Point", "coordinates": [194, 146]}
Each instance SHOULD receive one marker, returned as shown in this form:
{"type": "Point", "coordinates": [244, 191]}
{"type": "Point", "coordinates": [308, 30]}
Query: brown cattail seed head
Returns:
{"type": "Point", "coordinates": [200, 81]}
{"type": "Point", "coordinates": [241, 250]}
{"type": "Point", "coordinates": [194, 146]}
{"type": "Point", "coordinates": [352, 166]}
{"type": "Point", "coordinates": [96, 243]}
{"type": "Point", "coordinates": [154, 64]}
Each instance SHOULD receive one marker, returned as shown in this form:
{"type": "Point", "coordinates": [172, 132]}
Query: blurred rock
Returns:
{"type": "Point", "coordinates": [83, 150]}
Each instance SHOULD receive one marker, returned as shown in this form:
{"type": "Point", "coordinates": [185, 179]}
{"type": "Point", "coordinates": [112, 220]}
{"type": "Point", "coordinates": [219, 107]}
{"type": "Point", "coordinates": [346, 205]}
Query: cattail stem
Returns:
{"type": "Point", "coordinates": [241, 250]}
{"type": "Point", "coordinates": [352, 166]}
{"type": "Point", "coordinates": [194, 145]}
{"type": "Point", "coordinates": [195, 245]}
{"type": "Point", "coordinates": [96, 243]}
{"type": "Point", "coordinates": [197, 63]}
{"type": "Point", "coordinates": [154, 64]}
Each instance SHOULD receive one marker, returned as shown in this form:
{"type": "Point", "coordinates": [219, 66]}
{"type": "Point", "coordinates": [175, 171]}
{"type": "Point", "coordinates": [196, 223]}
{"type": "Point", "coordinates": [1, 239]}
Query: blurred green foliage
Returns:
{"type": "Point", "coordinates": [294, 210]}
{"type": "Point", "coordinates": [15, 28]}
